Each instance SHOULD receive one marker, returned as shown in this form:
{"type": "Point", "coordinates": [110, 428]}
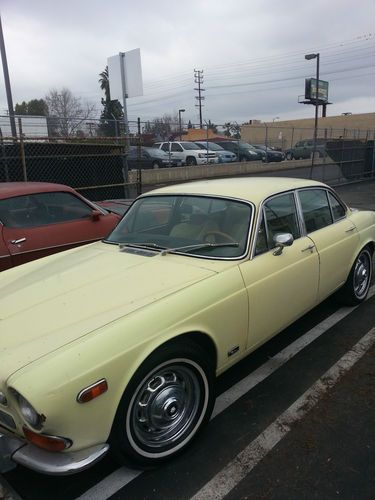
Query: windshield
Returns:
{"type": "Point", "coordinates": [156, 153]}
{"type": "Point", "coordinates": [245, 145]}
{"type": "Point", "coordinates": [211, 145]}
{"type": "Point", "coordinates": [189, 145]}
{"type": "Point", "coordinates": [202, 226]}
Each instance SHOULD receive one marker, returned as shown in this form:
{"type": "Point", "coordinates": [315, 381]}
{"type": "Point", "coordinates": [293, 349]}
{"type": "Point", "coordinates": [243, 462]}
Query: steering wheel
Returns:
{"type": "Point", "coordinates": [223, 236]}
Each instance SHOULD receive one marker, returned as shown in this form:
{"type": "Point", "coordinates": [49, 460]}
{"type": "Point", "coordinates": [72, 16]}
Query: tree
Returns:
{"type": "Point", "coordinates": [35, 107]}
{"type": "Point", "coordinates": [212, 126]}
{"type": "Point", "coordinates": [232, 130]}
{"type": "Point", "coordinates": [227, 128]}
{"type": "Point", "coordinates": [164, 127]}
{"type": "Point", "coordinates": [66, 112]}
{"type": "Point", "coordinates": [112, 111]}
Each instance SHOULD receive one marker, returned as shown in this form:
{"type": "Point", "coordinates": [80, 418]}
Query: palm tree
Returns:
{"type": "Point", "coordinates": [104, 83]}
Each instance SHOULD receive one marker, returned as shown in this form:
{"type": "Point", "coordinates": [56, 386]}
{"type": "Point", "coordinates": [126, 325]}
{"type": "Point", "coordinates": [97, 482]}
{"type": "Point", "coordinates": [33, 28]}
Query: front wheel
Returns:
{"type": "Point", "coordinates": [289, 156]}
{"type": "Point", "coordinates": [190, 161]}
{"type": "Point", "coordinates": [168, 400]}
{"type": "Point", "coordinates": [357, 285]}
{"type": "Point", "coordinates": [155, 165]}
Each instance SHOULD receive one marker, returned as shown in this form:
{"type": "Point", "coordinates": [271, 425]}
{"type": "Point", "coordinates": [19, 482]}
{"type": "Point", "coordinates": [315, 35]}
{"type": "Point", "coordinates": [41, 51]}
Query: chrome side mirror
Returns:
{"type": "Point", "coordinates": [282, 240]}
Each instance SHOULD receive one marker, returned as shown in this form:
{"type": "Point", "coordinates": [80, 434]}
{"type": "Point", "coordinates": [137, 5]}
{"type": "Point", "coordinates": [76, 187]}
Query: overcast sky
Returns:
{"type": "Point", "coordinates": [251, 51]}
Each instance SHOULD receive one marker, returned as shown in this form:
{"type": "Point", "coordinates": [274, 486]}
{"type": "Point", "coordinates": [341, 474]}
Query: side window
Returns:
{"type": "Point", "coordinates": [43, 209]}
{"type": "Point", "coordinates": [338, 211]}
{"type": "Point", "coordinates": [279, 216]}
{"type": "Point", "coordinates": [176, 147]}
{"type": "Point", "coordinates": [165, 147]}
{"type": "Point", "coordinates": [315, 208]}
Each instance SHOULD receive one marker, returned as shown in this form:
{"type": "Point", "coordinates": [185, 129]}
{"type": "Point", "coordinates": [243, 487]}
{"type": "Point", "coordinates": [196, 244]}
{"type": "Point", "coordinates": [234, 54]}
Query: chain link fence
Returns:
{"type": "Point", "coordinates": [91, 155]}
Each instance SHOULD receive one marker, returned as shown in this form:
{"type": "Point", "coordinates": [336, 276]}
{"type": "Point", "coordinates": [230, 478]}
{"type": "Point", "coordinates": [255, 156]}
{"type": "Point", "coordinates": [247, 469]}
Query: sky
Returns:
{"type": "Point", "coordinates": [251, 53]}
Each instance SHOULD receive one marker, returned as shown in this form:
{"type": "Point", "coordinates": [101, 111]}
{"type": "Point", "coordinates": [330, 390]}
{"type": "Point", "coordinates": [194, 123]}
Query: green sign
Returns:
{"type": "Point", "coordinates": [310, 90]}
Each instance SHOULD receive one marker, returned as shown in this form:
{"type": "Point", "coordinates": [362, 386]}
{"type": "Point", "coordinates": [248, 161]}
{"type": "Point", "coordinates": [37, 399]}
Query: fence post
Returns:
{"type": "Point", "coordinates": [22, 151]}
{"type": "Point", "coordinates": [6, 170]}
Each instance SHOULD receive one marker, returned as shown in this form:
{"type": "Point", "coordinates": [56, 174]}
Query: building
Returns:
{"type": "Point", "coordinates": [284, 134]}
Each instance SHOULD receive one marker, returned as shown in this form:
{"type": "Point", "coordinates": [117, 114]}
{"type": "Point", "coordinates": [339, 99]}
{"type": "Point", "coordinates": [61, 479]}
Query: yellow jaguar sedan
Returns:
{"type": "Point", "coordinates": [116, 345]}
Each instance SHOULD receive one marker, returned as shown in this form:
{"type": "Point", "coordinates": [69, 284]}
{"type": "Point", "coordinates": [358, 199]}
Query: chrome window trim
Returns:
{"type": "Point", "coordinates": [327, 190]}
{"type": "Point", "coordinates": [260, 216]}
{"type": "Point", "coordinates": [218, 197]}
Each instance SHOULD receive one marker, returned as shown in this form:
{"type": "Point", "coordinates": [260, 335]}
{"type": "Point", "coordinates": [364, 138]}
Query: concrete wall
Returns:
{"type": "Point", "coordinates": [183, 174]}
{"type": "Point", "coordinates": [285, 134]}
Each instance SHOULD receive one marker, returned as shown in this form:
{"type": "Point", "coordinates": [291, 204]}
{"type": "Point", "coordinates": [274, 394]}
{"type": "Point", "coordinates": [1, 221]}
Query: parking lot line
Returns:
{"type": "Point", "coordinates": [221, 484]}
{"type": "Point", "coordinates": [122, 476]}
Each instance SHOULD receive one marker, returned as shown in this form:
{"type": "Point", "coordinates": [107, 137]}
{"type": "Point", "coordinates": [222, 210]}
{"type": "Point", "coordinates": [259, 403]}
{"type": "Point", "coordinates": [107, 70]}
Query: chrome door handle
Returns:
{"type": "Point", "coordinates": [350, 229]}
{"type": "Point", "coordinates": [310, 247]}
{"type": "Point", "coordinates": [16, 242]}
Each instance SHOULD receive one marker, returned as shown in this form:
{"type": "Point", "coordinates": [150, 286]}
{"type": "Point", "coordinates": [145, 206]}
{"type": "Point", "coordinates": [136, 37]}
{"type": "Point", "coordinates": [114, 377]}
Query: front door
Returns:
{"type": "Point", "coordinates": [282, 287]}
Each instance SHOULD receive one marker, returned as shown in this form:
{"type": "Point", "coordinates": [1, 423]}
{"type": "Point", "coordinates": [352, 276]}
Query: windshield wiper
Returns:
{"type": "Point", "coordinates": [153, 246]}
{"type": "Point", "coordinates": [198, 246]}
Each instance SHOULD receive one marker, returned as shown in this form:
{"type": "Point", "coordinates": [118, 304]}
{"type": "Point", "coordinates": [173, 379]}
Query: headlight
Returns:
{"type": "Point", "coordinates": [202, 155]}
{"type": "Point", "coordinates": [28, 412]}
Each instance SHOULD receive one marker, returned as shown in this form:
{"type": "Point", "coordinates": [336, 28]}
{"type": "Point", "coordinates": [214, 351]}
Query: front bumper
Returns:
{"type": "Point", "coordinates": [203, 161]}
{"type": "Point", "coordinates": [14, 450]}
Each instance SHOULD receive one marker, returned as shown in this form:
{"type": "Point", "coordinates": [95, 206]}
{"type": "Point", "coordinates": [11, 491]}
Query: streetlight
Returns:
{"type": "Point", "coordinates": [308, 57]}
{"type": "Point", "coordinates": [276, 118]}
{"type": "Point", "coordinates": [179, 121]}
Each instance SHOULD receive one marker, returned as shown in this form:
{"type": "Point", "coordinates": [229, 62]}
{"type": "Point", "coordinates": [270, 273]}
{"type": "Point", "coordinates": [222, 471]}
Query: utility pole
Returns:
{"type": "Point", "coordinates": [198, 78]}
{"type": "Point", "coordinates": [7, 83]}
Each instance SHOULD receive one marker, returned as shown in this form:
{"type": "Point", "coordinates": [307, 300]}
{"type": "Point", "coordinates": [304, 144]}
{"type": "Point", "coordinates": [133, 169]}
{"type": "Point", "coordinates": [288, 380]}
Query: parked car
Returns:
{"type": "Point", "coordinates": [38, 219]}
{"type": "Point", "coordinates": [223, 155]}
{"type": "Point", "coordinates": [145, 157]}
{"type": "Point", "coordinates": [188, 152]}
{"type": "Point", "coordinates": [243, 150]}
{"type": "Point", "coordinates": [117, 344]}
{"type": "Point", "coordinates": [270, 153]}
{"type": "Point", "coordinates": [304, 149]}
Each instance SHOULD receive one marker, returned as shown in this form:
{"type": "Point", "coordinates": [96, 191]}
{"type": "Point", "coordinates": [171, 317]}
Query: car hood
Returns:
{"type": "Point", "coordinates": [54, 301]}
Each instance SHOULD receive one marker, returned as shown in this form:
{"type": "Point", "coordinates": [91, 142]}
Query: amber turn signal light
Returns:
{"type": "Point", "coordinates": [50, 443]}
{"type": "Point", "coordinates": [93, 391]}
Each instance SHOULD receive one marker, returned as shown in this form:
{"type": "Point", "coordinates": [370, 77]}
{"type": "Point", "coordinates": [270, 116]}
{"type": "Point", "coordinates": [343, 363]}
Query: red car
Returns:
{"type": "Point", "coordinates": [39, 218]}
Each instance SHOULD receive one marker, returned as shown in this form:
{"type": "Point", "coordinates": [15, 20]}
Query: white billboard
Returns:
{"type": "Point", "coordinates": [132, 71]}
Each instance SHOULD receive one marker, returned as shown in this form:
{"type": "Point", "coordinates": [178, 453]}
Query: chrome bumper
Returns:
{"type": "Point", "coordinates": [16, 451]}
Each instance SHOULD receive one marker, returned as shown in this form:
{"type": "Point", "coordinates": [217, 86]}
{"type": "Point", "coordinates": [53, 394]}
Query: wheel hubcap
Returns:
{"type": "Point", "coordinates": [362, 275]}
{"type": "Point", "coordinates": [166, 406]}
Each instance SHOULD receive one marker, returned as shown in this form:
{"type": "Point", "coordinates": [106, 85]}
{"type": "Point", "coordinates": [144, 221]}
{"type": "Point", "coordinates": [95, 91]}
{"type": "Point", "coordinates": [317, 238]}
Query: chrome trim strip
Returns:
{"type": "Point", "coordinates": [72, 245]}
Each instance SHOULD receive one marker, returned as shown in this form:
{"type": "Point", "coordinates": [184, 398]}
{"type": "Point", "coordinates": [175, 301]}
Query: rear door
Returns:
{"type": "Point", "coordinates": [335, 236]}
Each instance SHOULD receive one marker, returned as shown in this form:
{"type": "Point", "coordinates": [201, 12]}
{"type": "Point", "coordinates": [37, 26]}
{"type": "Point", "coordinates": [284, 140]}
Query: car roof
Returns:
{"type": "Point", "coordinates": [10, 189]}
{"type": "Point", "coordinates": [253, 189]}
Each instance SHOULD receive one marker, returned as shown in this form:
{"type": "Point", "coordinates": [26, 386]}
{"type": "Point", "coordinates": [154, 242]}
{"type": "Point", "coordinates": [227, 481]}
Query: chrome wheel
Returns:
{"type": "Point", "coordinates": [362, 274]}
{"type": "Point", "coordinates": [167, 408]}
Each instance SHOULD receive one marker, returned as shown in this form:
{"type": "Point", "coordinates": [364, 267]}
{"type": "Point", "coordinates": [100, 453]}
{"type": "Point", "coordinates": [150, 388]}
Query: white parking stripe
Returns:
{"type": "Point", "coordinates": [221, 484]}
{"type": "Point", "coordinates": [112, 483]}
{"type": "Point", "coordinates": [122, 476]}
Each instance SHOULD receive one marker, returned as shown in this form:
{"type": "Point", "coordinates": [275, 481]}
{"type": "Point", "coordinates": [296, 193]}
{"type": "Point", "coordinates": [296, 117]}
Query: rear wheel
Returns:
{"type": "Point", "coordinates": [289, 156]}
{"type": "Point", "coordinates": [357, 285]}
{"type": "Point", "coordinates": [167, 401]}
